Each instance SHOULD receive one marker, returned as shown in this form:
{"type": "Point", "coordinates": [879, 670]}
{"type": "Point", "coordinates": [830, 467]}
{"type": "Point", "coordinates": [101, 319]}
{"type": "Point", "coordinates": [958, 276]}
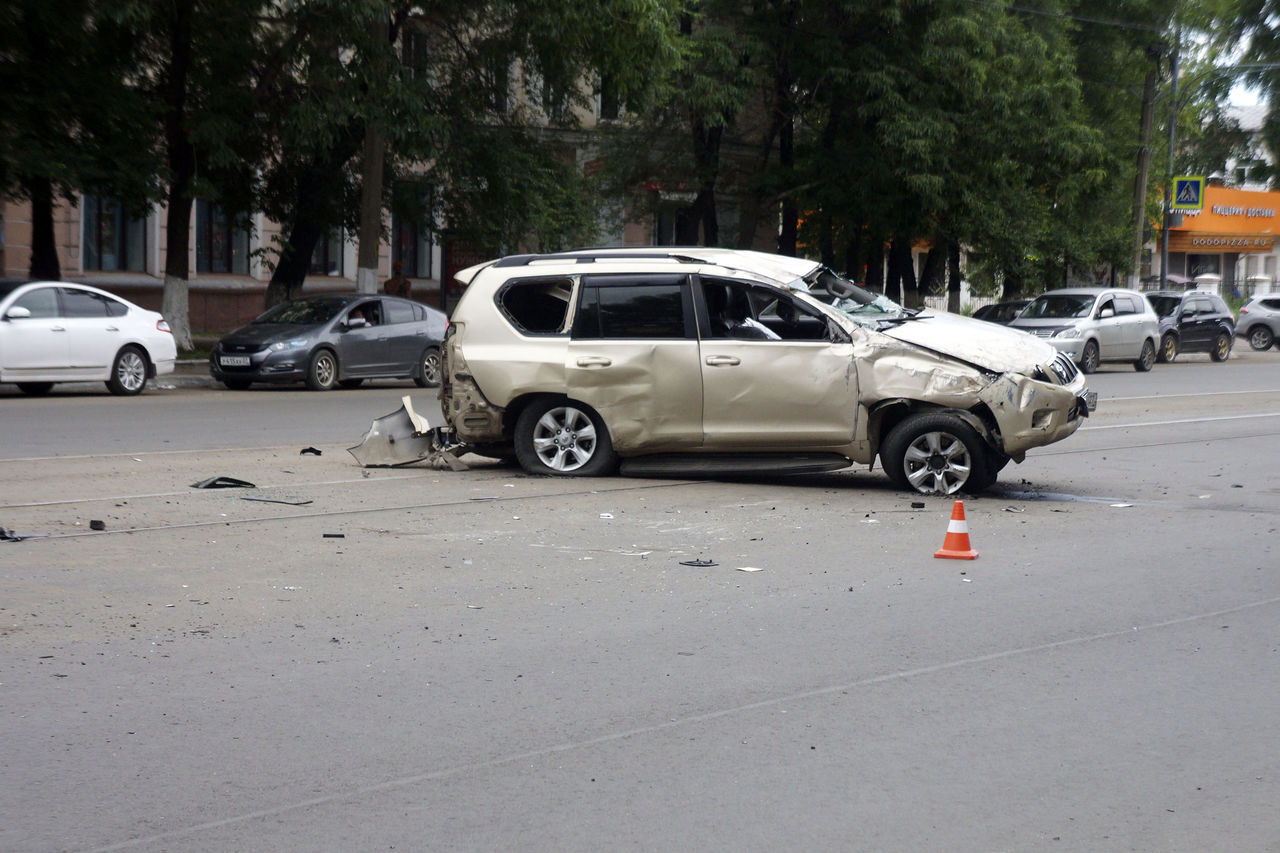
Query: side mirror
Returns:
{"type": "Point", "coordinates": [1106, 312]}
{"type": "Point", "coordinates": [17, 312]}
{"type": "Point", "coordinates": [356, 322]}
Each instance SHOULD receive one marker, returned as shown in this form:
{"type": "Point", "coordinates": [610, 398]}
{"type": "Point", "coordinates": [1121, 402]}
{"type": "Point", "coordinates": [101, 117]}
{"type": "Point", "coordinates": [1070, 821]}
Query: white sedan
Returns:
{"type": "Point", "coordinates": [53, 331]}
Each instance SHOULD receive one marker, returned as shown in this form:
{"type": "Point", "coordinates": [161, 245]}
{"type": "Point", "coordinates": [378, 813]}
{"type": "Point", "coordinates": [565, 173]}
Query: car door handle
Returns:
{"type": "Point", "coordinates": [723, 360]}
{"type": "Point", "coordinates": [594, 361]}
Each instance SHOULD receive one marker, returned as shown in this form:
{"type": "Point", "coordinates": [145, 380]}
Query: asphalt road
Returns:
{"type": "Point", "coordinates": [488, 661]}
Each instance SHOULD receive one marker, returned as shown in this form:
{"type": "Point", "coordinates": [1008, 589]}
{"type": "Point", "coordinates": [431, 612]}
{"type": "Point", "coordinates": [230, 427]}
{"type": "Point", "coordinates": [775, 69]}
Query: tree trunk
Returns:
{"type": "Point", "coordinates": [902, 274]}
{"type": "Point", "coordinates": [787, 161]}
{"type": "Point", "coordinates": [1139, 223]}
{"type": "Point", "coordinates": [182, 169]}
{"type": "Point", "coordinates": [370, 212]}
{"type": "Point", "coordinates": [44, 249]}
{"type": "Point", "coordinates": [295, 259]}
{"type": "Point", "coordinates": [875, 262]}
{"type": "Point", "coordinates": [932, 277]}
{"type": "Point", "coordinates": [953, 276]}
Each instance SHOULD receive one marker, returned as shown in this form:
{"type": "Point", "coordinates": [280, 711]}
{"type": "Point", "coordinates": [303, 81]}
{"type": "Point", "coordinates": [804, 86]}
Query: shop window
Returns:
{"type": "Point", "coordinates": [113, 239]}
{"type": "Point", "coordinates": [221, 244]}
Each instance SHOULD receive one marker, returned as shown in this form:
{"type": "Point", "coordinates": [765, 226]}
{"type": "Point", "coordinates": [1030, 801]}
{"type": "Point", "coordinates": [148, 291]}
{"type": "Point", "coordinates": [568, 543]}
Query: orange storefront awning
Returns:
{"type": "Point", "coordinates": [1232, 221]}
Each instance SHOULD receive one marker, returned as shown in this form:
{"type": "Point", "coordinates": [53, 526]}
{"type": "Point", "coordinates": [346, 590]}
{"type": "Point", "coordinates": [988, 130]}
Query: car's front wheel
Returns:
{"type": "Point", "coordinates": [35, 389]}
{"type": "Point", "coordinates": [1146, 358]}
{"type": "Point", "coordinates": [128, 372]}
{"type": "Point", "coordinates": [1221, 348]}
{"type": "Point", "coordinates": [563, 438]}
{"type": "Point", "coordinates": [1090, 358]}
{"type": "Point", "coordinates": [935, 453]}
{"type": "Point", "coordinates": [429, 370]}
{"type": "Point", "coordinates": [1168, 348]}
{"type": "Point", "coordinates": [1260, 337]}
{"type": "Point", "coordinates": [322, 372]}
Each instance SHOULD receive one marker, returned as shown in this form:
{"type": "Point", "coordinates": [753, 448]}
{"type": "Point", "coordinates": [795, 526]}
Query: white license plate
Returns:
{"type": "Point", "coordinates": [233, 360]}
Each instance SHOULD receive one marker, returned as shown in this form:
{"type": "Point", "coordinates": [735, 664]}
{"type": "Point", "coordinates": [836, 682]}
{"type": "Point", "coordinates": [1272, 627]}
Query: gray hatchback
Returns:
{"type": "Point", "coordinates": [1259, 321]}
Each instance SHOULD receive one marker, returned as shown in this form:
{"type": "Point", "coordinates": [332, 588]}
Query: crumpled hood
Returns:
{"type": "Point", "coordinates": [977, 342]}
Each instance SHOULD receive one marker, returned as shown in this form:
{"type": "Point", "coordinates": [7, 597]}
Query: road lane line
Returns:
{"type": "Point", "coordinates": [1180, 421]}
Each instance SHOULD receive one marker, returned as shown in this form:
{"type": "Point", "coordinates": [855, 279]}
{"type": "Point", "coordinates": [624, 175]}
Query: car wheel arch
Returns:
{"type": "Point", "coordinates": [887, 414]}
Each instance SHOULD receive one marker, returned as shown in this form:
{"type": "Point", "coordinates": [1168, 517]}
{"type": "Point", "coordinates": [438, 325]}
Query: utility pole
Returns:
{"type": "Point", "coordinates": [371, 180]}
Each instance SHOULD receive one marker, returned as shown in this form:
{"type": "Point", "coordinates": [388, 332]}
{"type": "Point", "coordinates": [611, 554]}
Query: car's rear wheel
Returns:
{"type": "Point", "coordinates": [563, 438]}
{"type": "Point", "coordinates": [936, 453]}
{"type": "Point", "coordinates": [35, 389]}
{"type": "Point", "coordinates": [1168, 348]}
{"type": "Point", "coordinates": [1089, 359]}
{"type": "Point", "coordinates": [350, 383]}
{"type": "Point", "coordinates": [1147, 358]}
{"type": "Point", "coordinates": [128, 372]}
{"type": "Point", "coordinates": [1260, 337]}
{"type": "Point", "coordinates": [1221, 348]}
{"type": "Point", "coordinates": [322, 372]}
{"type": "Point", "coordinates": [237, 384]}
{"type": "Point", "coordinates": [429, 369]}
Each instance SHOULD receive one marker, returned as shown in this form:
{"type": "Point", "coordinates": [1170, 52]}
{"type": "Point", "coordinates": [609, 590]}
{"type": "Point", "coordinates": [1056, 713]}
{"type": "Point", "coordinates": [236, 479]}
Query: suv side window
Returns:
{"type": "Point", "coordinates": [537, 306]}
{"type": "Point", "coordinates": [630, 306]}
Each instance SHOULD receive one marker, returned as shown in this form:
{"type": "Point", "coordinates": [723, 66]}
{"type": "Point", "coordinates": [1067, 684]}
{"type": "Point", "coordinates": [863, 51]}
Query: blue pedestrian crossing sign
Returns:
{"type": "Point", "coordinates": [1188, 193]}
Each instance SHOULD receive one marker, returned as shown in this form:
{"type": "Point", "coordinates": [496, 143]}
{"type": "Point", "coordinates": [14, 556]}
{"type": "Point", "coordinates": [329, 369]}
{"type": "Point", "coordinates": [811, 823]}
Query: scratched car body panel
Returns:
{"type": "Point", "coordinates": [716, 360]}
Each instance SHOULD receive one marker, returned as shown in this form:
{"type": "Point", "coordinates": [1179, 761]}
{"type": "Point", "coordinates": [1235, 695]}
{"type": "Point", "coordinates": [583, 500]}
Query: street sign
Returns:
{"type": "Point", "coordinates": [1188, 193]}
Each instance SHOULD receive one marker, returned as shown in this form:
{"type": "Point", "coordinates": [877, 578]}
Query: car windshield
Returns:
{"type": "Point", "coordinates": [1057, 306]}
{"type": "Point", "coordinates": [1164, 305]}
{"type": "Point", "coordinates": [859, 304]}
{"type": "Point", "coordinates": [304, 312]}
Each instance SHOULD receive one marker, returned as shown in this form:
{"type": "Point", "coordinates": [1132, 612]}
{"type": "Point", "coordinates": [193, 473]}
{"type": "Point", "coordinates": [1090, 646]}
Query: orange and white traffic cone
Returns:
{"type": "Point", "coordinates": [956, 545]}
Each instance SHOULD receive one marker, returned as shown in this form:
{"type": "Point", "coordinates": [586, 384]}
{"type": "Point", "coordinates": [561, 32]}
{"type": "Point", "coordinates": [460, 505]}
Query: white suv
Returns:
{"type": "Point", "coordinates": [718, 361]}
{"type": "Point", "coordinates": [1094, 324]}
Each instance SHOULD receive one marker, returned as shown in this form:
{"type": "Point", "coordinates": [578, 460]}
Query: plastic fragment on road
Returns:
{"type": "Point", "coordinates": [405, 437]}
{"type": "Point", "coordinates": [97, 524]}
{"type": "Point", "coordinates": [223, 483]}
{"type": "Point", "coordinates": [7, 535]}
{"type": "Point", "coordinates": [310, 451]}
{"type": "Point", "coordinates": [750, 569]}
{"type": "Point", "coordinates": [699, 564]}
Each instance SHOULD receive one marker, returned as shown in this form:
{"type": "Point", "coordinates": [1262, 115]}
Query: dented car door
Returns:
{"type": "Point", "coordinates": [633, 357]}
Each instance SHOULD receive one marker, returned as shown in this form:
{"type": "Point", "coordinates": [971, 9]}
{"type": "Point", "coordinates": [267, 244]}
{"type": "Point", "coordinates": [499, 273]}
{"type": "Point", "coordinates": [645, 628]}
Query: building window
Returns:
{"type": "Point", "coordinates": [610, 100]}
{"type": "Point", "coordinates": [221, 245]}
{"type": "Point", "coordinates": [327, 258]}
{"type": "Point", "coordinates": [113, 240]}
{"type": "Point", "coordinates": [411, 236]}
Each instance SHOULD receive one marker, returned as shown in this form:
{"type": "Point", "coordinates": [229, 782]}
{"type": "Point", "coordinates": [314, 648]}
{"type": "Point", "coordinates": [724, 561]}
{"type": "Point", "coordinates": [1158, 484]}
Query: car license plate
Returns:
{"type": "Point", "coordinates": [234, 360]}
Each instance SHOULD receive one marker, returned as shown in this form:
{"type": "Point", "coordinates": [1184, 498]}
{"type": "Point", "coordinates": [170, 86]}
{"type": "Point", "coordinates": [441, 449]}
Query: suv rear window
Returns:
{"type": "Point", "coordinates": [537, 306]}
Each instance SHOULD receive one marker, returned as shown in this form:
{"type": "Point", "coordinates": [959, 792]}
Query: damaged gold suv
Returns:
{"type": "Point", "coordinates": [716, 361]}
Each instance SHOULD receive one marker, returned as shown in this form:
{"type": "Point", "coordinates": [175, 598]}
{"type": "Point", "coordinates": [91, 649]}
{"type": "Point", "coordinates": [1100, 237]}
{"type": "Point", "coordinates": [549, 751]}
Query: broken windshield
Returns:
{"type": "Point", "coordinates": [859, 304]}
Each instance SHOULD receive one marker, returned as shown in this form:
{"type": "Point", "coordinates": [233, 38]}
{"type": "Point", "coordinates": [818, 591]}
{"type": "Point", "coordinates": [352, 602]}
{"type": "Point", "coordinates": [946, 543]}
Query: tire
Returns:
{"type": "Point", "coordinates": [350, 383]}
{"type": "Point", "coordinates": [429, 369]}
{"type": "Point", "coordinates": [563, 438]}
{"type": "Point", "coordinates": [35, 389]}
{"type": "Point", "coordinates": [322, 372]}
{"type": "Point", "coordinates": [1089, 358]}
{"type": "Point", "coordinates": [935, 453]}
{"type": "Point", "coordinates": [1147, 358]}
{"type": "Point", "coordinates": [128, 372]}
{"type": "Point", "coordinates": [237, 384]}
{"type": "Point", "coordinates": [1221, 348]}
{"type": "Point", "coordinates": [1260, 337]}
{"type": "Point", "coordinates": [1168, 348]}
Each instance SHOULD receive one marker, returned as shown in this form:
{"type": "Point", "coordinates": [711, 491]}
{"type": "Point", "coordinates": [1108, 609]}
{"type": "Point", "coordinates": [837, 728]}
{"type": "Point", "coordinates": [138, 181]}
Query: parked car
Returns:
{"type": "Point", "coordinates": [1259, 321]}
{"type": "Point", "coordinates": [54, 331]}
{"type": "Point", "coordinates": [1094, 324]}
{"type": "Point", "coordinates": [722, 361]}
{"type": "Point", "coordinates": [337, 339]}
{"type": "Point", "coordinates": [1001, 312]}
{"type": "Point", "coordinates": [1192, 321]}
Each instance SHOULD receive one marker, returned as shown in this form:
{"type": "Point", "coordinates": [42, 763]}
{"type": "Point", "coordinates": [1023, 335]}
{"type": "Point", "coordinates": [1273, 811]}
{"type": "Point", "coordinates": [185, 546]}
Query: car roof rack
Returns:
{"type": "Point", "coordinates": [590, 256]}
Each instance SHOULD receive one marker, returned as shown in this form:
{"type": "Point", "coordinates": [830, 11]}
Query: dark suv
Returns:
{"type": "Point", "coordinates": [1260, 321]}
{"type": "Point", "coordinates": [1193, 321]}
